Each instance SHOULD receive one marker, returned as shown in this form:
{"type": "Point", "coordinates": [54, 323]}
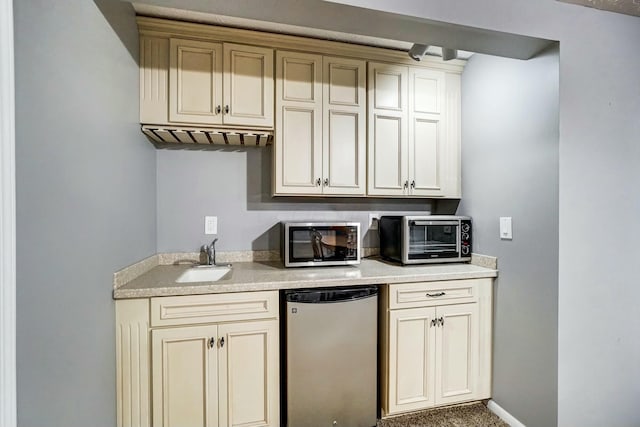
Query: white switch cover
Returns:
{"type": "Point", "coordinates": [506, 232]}
{"type": "Point", "coordinates": [210, 225]}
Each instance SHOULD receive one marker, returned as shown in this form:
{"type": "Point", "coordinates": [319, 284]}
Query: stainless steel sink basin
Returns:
{"type": "Point", "coordinates": [203, 274]}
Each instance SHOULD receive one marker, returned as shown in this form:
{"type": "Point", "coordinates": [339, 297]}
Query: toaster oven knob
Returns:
{"type": "Point", "coordinates": [465, 236]}
{"type": "Point", "coordinates": [465, 228]}
{"type": "Point", "coordinates": [465, 250]}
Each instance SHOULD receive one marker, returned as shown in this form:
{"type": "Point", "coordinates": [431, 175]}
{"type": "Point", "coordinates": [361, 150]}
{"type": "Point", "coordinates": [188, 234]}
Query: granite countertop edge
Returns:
{"type": "Point", "coordinates": [160, 281]}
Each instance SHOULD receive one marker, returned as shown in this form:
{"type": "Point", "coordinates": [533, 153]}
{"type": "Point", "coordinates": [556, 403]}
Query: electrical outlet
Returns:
{"type": "Point", "coordinates": [210, 225]}
{"type": "Point", "coordinates": [373, 221]}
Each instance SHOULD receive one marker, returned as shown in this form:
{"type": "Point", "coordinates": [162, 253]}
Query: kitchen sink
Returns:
{"type": "Point", "coordinates": [204, 274]}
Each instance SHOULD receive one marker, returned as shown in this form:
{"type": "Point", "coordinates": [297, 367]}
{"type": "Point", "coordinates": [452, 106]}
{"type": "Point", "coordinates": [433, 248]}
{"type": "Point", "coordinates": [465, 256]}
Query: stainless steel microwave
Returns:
{"type": "Point", "coordinates": [320, 243]}
{"type": "Point", "coordinates": [425, 239]}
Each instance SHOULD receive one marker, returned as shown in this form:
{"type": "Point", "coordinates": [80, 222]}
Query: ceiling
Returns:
{"type": "Point", "coordinates": [272, 27]}
{"type": "Point", "coordinates": [333, 21]}
{"type": "Point", "coordinates": [627, 7]}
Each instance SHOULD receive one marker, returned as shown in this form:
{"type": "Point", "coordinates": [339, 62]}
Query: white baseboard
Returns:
{"type": "Point", "coordinates": [503, 414]}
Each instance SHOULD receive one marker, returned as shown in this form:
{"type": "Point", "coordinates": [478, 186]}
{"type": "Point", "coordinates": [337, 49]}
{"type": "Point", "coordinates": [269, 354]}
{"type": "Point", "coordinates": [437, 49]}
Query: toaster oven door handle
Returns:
{"type": "Point", "coordinates": [435, 222]}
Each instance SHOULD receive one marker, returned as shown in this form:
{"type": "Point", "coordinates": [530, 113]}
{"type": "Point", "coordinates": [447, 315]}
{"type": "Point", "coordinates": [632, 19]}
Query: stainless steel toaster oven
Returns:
{"type": "Point", "coordinates": [425, 239]}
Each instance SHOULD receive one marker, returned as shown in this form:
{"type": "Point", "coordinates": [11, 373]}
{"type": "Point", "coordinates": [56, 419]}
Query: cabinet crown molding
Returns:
{"type": "Point", "coordinates": [166, 28]}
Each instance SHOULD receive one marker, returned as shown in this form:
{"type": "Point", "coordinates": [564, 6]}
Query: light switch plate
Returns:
{"type": "Point", "coordinates": [210, 225]}
{"type": "Point", "coordinates": [506, 231]}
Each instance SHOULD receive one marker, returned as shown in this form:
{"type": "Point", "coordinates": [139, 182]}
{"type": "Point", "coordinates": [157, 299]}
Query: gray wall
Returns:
{"type": "Point", "coordinates": [598, 325]}
{"type": "Point", "coordinates": [85, 203]}
{"type": "Point", "coordinates": [510, 140]}
{"type": "Point", "coordinates": [86, 194]}
{"type": "Point", "coordinates": [235, 186]}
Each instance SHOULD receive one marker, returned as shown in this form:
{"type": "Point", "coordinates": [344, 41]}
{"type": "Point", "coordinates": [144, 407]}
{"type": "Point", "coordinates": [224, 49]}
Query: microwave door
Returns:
{"type": "Point", "coordinates": [303, 246]}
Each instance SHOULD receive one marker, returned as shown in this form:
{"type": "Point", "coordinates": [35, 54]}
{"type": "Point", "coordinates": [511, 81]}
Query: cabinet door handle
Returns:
{"type": "Point", "coordinates": [326, 182]}
{"type": "Point", "coordinates": [413, 183]}
{"type": "Point", "coordinates": [406, 184]}
{"type": "Point", "coordinates": [226, 109]}
{"type": "Point", "coordinates": [434, 322]}
{"type": "Point", "coordinates": [212, 342]}
{"type": "Point", "coordinates": [441, 320]}
{"type": "Point", "coordinates": [221, 342]}
{"type": "Point", "coordinates": [218, 109]}
{"type": "Point", "coordinates": [318, 182]}
{"type": "Point", "coordinates": [439, 294]}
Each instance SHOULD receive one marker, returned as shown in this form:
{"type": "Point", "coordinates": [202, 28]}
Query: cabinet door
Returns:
{"type": "Point", "coordinates": [248, 85]}
{"type": "Point", "coordinates": [427, 151]}
{"type": "Point", "coordinates": [344, 132]}
{"type": "Point", "coordinates": [298, 141]}
{"type": "Point", "coordinates": [457, 356]}
{"type": "Point", "coordinates": [249, 374]}
{"type": "Point", "coordinates": [412, 354]}
{"type": "Point", "coordinates": [195, 81]}
{"type": "Point", "coordinates": [388, 140]}
{"type": "Point", "coordinates": [184, 382]}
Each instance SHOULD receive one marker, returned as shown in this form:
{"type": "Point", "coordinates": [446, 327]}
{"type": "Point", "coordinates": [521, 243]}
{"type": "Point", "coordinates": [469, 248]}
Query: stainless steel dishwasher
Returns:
{"type": "Point", "coordinates": [331, 357]}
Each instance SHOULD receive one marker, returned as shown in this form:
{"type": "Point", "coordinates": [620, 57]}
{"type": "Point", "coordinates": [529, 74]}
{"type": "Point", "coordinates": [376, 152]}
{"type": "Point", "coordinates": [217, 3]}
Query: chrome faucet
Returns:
{"type": "Point", "coordinates": [210, 250]}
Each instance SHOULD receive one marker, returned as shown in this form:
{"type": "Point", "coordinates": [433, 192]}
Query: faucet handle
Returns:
{"type": "Point", "coordinates": [214, 241]}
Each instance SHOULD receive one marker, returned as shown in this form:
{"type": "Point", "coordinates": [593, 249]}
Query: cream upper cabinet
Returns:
{"type": "Point", "coordinates": [388, 136]}
{"type": "Point", "coordinates": [196, 82]}
{"type": "Point", "coordinates": [414, 146]}
{"type": "Point", "coordinates": [435, 344]}
{"type": "Point", "coordinates": [298, 139]}
{"type": "Point", "coordinates": [320, 125]}
{"type": "Point", "coordinates": [248, 85]}
{"type": "Point", "coordinates": [344, 130]}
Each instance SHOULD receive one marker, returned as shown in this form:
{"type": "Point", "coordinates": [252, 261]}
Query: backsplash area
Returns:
{"type": "Point", "coordinates": [234, 184]}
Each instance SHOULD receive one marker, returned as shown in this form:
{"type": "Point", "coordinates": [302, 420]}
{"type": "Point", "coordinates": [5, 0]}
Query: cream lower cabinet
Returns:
{"type": "Point", "coordinates": [414, 132]}
{"type": "Point", "coordinates": [199, 361]}
{"type": "Point", "coordinates": [436, 344]}
{"type": "Point", "coordinates": [320, 125]}
{"type": "Point", "coordinates": [214, 376]}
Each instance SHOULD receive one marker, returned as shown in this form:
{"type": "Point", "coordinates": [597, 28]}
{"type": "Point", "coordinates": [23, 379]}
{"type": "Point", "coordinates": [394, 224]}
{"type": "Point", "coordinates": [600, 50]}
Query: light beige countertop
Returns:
{"type": "Point", "coordinates": [271, 275]}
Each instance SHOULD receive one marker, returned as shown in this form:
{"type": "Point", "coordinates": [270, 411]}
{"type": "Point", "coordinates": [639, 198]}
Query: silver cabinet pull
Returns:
{"type": "Point", "coordinates": [326, 182]}
{"type": "Point", "coordinates": [439, 294]}
{"type": "Point", "coordinates": [226, 109]}
{"type": "Point", "coordinates": [434, 322]}
{"type": "Point", "coordinates": [212, 342]}
{"type": "Point", "coordinates": [318, 182]}
{"type": "Point", "coordinates": [413, 183]}
{"type": "Point", "coordinates": [218, 109]}
{"type": "Point", "coordinates": [406, 184]}
{"type": "Point", "coordinates": [221, 342]}
{"type": "Point", "coordinates": [441, 320]}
